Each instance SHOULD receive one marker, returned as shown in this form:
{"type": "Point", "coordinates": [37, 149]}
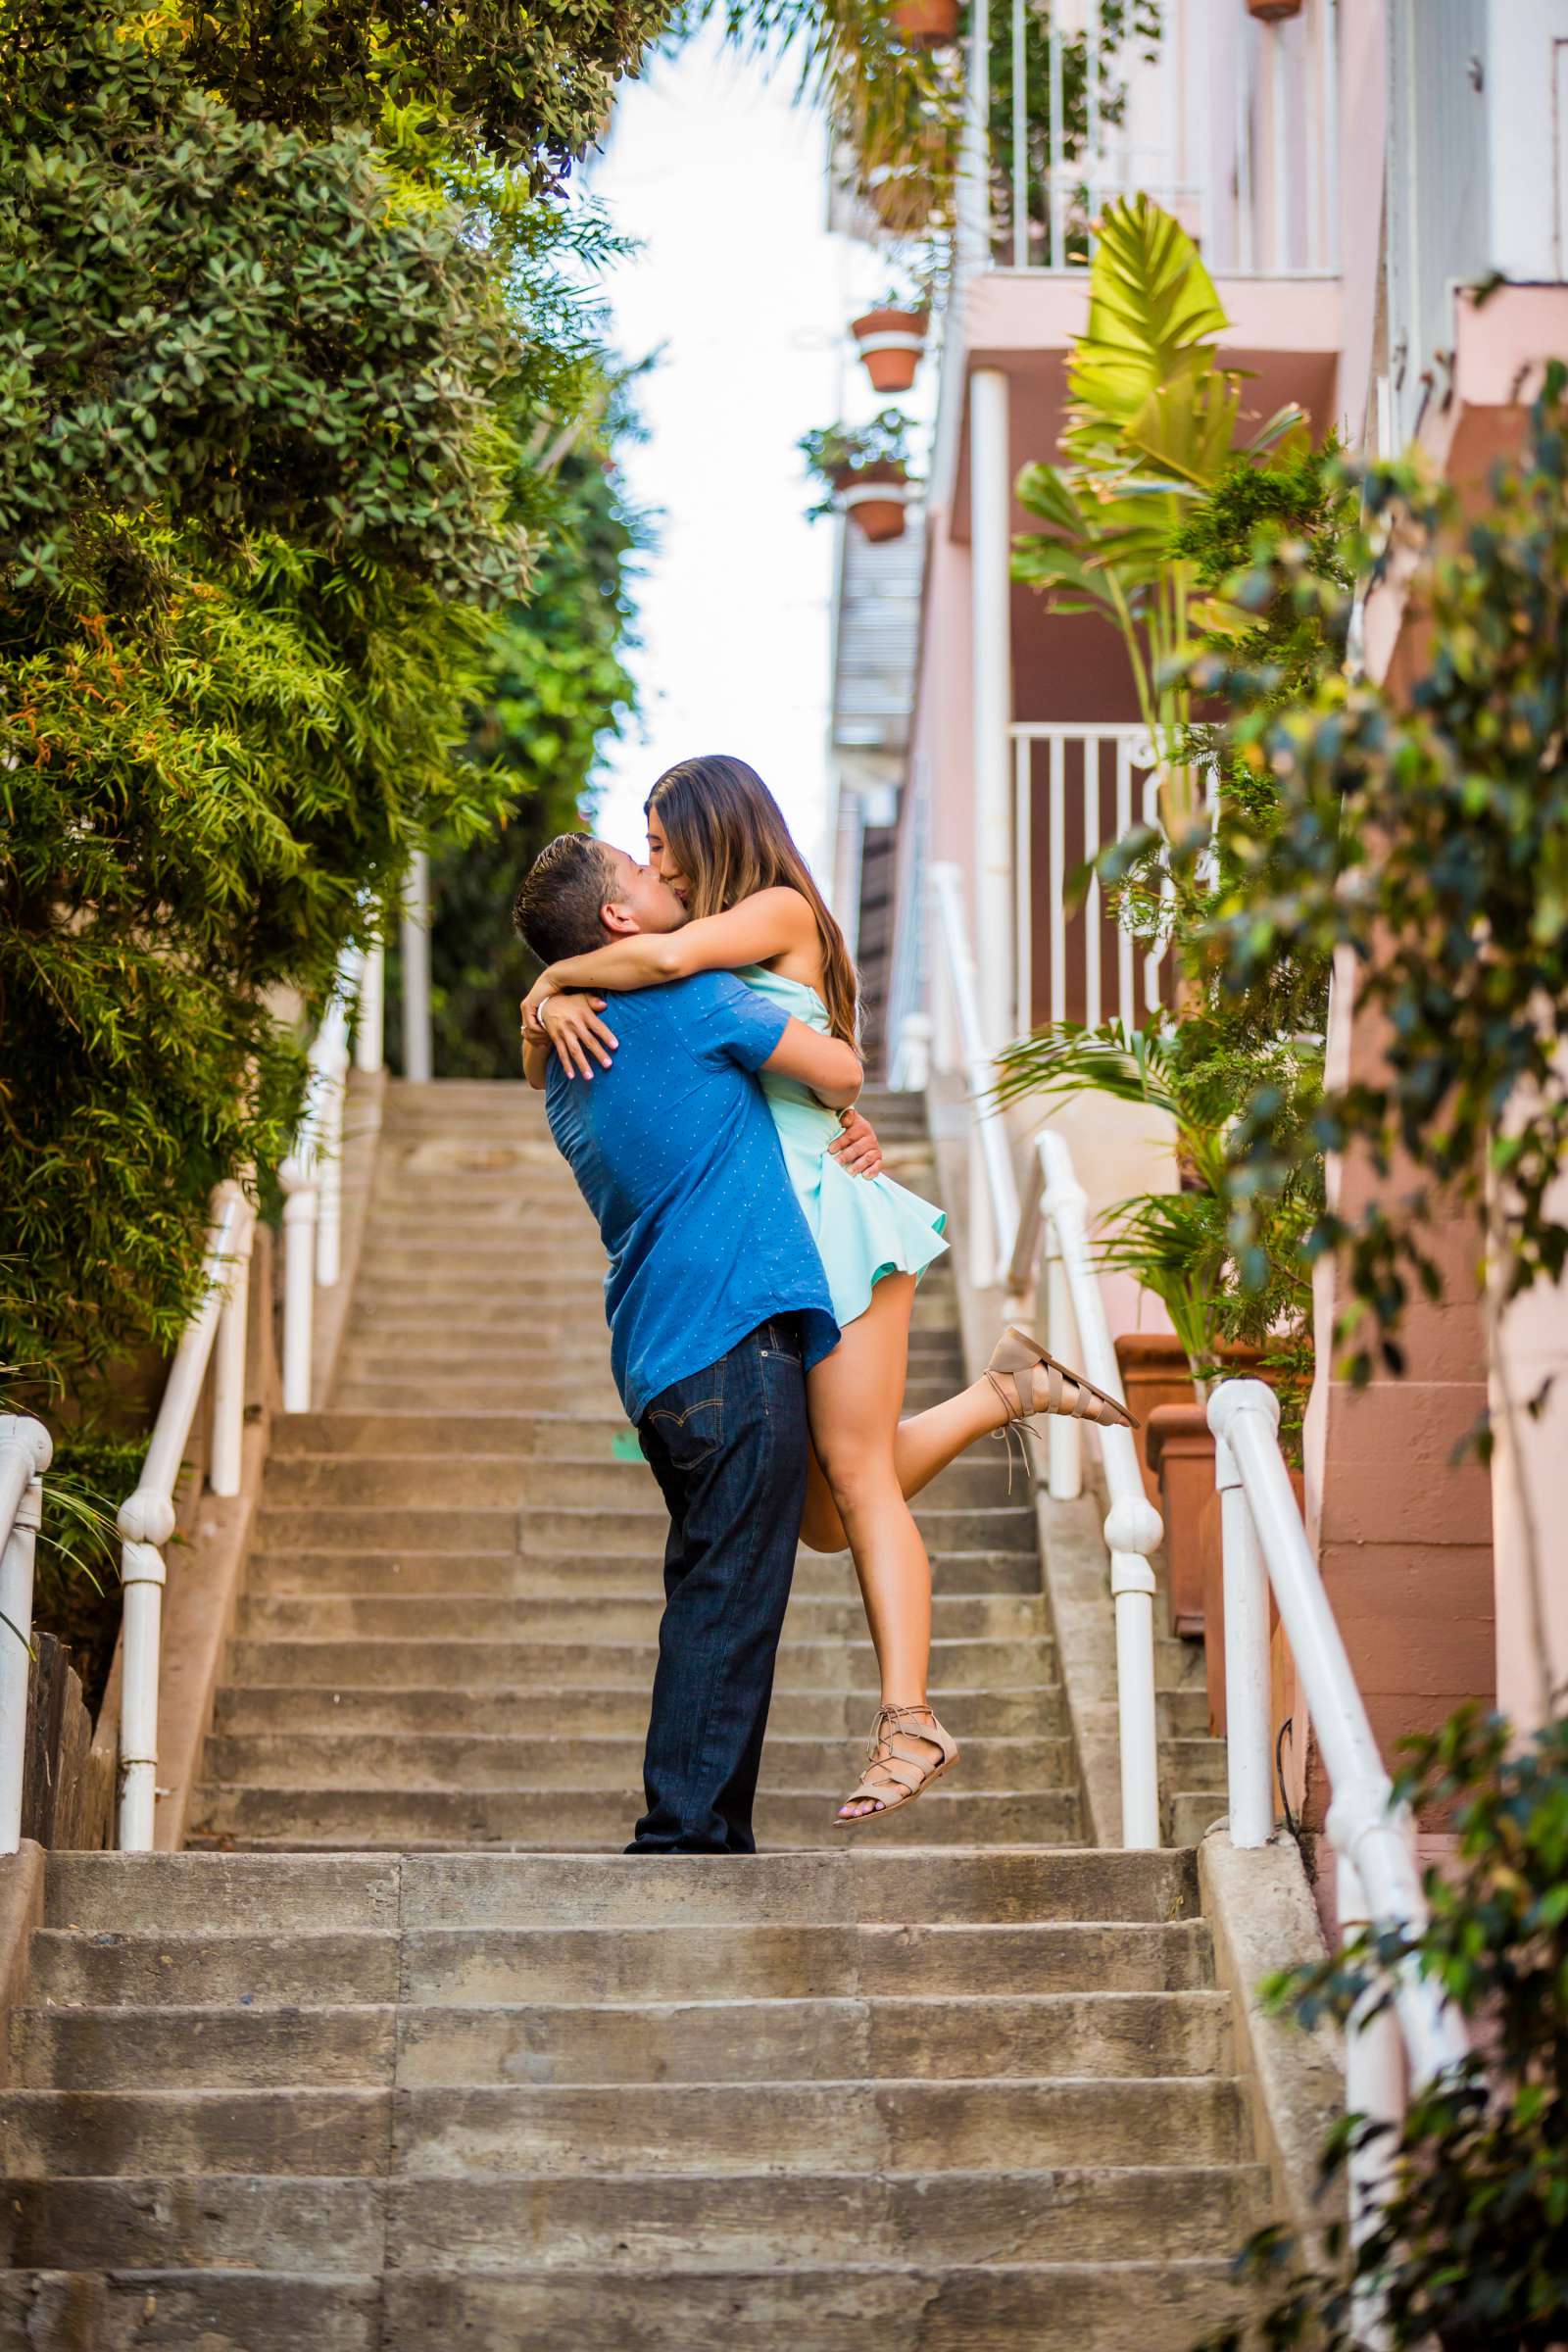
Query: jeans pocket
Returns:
{"type": "Point", "coordinates": [689, 1437]}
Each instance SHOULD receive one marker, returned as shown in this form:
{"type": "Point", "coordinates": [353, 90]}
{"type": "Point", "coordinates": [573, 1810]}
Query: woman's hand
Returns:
{"type": "Point", "coordinates": [856, 1148]}
{"type": "Point", "coordinates": [575, 1032]}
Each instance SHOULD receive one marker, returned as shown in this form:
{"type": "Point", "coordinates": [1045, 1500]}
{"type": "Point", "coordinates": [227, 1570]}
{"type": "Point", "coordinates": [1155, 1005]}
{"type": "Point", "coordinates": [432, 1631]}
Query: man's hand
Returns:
{"type": "Point", "coordinates": [856, 1147]}
{"type": "Point", "coordinates": [575, 1032]}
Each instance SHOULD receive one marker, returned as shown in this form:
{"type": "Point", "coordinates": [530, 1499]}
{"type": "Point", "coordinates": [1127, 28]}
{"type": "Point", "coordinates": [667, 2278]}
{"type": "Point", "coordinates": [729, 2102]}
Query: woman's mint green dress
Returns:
{"type": "Point", "coordinates": [863, 1226]}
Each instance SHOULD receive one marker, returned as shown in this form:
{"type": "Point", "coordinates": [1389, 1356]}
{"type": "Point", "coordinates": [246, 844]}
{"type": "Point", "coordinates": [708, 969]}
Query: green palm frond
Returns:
{"type": "Point", "coordinates": [1066, 1057]}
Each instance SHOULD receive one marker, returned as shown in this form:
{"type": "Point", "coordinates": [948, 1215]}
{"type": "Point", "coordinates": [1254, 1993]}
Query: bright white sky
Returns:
{"type": "Point", "coordinates": [721, 178]}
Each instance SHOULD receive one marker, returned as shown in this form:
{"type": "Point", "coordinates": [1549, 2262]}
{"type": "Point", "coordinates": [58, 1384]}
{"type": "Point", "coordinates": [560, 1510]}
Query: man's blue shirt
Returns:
{"type": "Point", "coordinates": [675, 1152]}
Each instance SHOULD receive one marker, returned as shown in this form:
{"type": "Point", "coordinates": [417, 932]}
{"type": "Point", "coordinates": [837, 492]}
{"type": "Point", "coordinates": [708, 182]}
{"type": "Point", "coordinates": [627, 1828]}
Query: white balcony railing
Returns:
{"type": "Point", "coordinates": [1077, 789]}
{"type": "Point", "coordinates": [1230, 123]}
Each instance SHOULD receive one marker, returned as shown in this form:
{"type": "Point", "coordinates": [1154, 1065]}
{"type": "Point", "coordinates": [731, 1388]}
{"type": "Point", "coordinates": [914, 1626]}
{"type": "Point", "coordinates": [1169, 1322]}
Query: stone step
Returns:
{"type": "Point", "coordinates": [457, 1965]}
{"type": "Point", "coordinates": [576, 1481]}
{"type": "Point", "coordinates": [1162, 2307]}
{"type": "Point", "coordinates": [405, 1318]}
{"type": "Point", "coordinates": [1025, 1664]}
{"type": "Point", "coordinates": [340, 2228]}
{"type": "Point", "coordinates": [527, 1818]}
{"type": "Point", "coordinates": [612, 1709]}
{"type": "Point", "coordinates": [851, 2041]}
{"type": "Point", "coordinates": [563, 1528]}
{"type": "Point", "coordinates": [701, 2131]}
{"type": "Point", "coordinates": [369, 1382]}
{"type": "Point", "coordinates": [458, 1615]}
{"type": "Point", "coordinates": [1159, 2306]}
{"type": "Point", "coordinates": [854, 1883]}
{"type": "Point", "coordinates": [584, 1761]}
{"type": "Point", "coordinates": [1193, 1813]}
{"type": "Point", "coordinates": [710, 2129]}
{"type": "Point", "coordinates": [567, 1576]}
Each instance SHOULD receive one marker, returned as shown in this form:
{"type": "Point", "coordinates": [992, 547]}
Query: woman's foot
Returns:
{"type": "Point", "coordinates": [907, 1753]}
{"type": "Point", "coordinates": [1030, 1381]}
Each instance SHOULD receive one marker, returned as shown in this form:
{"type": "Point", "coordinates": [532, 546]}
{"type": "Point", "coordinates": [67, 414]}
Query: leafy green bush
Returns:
{"type": "Point", "coordinates": [1471, 2249]}
{"type": "Point", "coordinates": [554, 685]}
{"type": "Point", "coordinates": [1425, 838]}
{"type": "Point", "coordinates": [268, 391]}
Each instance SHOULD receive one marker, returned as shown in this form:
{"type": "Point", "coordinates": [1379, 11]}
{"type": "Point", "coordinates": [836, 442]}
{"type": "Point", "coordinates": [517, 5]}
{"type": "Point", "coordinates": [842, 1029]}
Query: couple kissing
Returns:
{"type": "Point", "coordinates": [695, 1032]}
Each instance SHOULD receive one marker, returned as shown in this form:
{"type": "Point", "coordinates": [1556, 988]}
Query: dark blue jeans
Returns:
{"type": "Point", "coordinates": [728, 1450]}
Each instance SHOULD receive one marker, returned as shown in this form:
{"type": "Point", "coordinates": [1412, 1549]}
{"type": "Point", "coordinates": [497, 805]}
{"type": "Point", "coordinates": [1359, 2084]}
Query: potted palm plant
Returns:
{"type": "Point", "coordinates": [890, 338]}
{"type": "Point", "coordinates": [1178, 1245]}
{"type": "Point", "coordinates": [866, 473]}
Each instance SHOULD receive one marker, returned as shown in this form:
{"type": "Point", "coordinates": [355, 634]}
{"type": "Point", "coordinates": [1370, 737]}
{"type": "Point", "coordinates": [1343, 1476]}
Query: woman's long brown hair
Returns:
{"type": "Point", "coordinates": [726, 832]}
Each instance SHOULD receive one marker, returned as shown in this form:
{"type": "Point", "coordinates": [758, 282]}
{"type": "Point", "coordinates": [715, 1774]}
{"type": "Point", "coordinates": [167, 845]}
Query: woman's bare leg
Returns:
{"type": "Point", "coordinates": [923, 1445]}
{"type": "Point", "coordinates": [853, 1399]}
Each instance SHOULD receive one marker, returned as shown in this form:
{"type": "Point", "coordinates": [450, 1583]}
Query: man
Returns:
{"type": "Point", "coordinates": [718, 1307]}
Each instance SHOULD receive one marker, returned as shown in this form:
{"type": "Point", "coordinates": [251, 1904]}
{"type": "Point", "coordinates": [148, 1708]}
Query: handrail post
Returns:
{"type": "Point", "coordinates": [415, 938]}
{"type": "Point", "coordinates": [229, 1365]}
{"type": "Point", "coordinates": [297, 1176]}
{"type": "Point", "coordinates": [1249, 1762]}
{"type": "Point", "coordinates": [1128, 1524]}
{"type": "Point", "coordinates": [1374, 2087]}
{"type": "Point", "coordinates": [327, 1139]}
{"type": "Point", "coordinates": [25, 1453]}
{"type": "Point", "coordinates": [146, 1523]}
{"type": "Point", "coordinates": [1133, 1526]}
{"type": "Point", "coordinates": [369, 1026]}
{"type": "Point", "coordinates": [1065, 1452]}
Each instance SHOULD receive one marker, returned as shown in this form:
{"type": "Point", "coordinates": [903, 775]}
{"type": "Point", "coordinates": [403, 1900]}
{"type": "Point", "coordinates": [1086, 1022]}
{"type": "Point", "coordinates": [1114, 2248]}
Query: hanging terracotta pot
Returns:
{"type": "Point", "coordinates": [1273, 11]}
{"type": "Point", "coordinates": [890, 342]}
{"type": "Point", "coordinates": [873, 498]}
{"type": "Point", "coordinates": [925, 24]}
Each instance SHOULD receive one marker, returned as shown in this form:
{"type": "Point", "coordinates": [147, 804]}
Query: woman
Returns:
{"type": "Point", "coordinates": [717, 837]}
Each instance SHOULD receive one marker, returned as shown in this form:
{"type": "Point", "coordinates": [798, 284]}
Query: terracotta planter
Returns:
{"type": "Point", "coordinates": [925, 24]}
{"type": "Point", "coordinates": [890, 343]}
{"type": "Point", "coordinates": [1213, 1575]}
{"type": "Point", "coordinates": [873, 498]}
{"type": "Point", "coordinates": [1153, 1372]}
{"type": "Point", "coordinates": [1273, 11]}
{"type": "Point", "coordinates": [1181, 1453]}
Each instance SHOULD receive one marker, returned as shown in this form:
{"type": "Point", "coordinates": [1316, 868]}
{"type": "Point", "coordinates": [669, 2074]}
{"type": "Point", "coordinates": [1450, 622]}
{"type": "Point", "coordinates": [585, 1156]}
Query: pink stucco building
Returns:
{"type": "Point", "coordinates": [1351, 169]}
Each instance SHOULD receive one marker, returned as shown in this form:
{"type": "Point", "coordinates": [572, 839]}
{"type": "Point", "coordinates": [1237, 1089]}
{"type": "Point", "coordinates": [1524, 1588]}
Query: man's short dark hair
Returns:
{"type": "Point", "coordinates": [557, 910]}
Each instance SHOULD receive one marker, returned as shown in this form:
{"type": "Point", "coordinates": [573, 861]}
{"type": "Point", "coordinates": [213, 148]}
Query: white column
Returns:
{"type": "Point", "coordinates": [414, 935]}
{"type": "Point", "coordinates": [299, 1281]}
{"type": "Point", "coordinates": [229, 1365]}
{"type": "Point", "coordinates": [25, 1455]}
{"type": "Point", "coordinates": [367, 1034]}
{"type": "Point", "coordinates": [991, 515]}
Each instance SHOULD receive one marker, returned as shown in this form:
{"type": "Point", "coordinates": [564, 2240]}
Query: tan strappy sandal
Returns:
{"type": "Point", "coordinates": [907, 1773]}
{"type": "Point", "coordinates": [1016, 1355]}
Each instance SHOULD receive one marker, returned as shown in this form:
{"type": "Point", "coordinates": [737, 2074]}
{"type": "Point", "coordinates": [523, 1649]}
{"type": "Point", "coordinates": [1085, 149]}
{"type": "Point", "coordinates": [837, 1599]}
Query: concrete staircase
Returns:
{"type": "Point", "coordinates": [472, 2077]}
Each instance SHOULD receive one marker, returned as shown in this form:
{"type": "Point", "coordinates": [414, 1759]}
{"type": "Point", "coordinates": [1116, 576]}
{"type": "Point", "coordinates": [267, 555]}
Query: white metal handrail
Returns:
{"type": "Point", "coordinates": [25, 1453]}
{"type": "Point", "coordinates": [146, 1518]}
{"type": "Point", "coordinates": [1266, 1545]}
{"type": "Point", "coordinates": [311, 1175]}
{"type": "Point", "coordinates": [216, 1335]}
{"type": "Point", "coordinates": [992, 1185]}
{"type": "Point", "coordinates": [1078, 1329]}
